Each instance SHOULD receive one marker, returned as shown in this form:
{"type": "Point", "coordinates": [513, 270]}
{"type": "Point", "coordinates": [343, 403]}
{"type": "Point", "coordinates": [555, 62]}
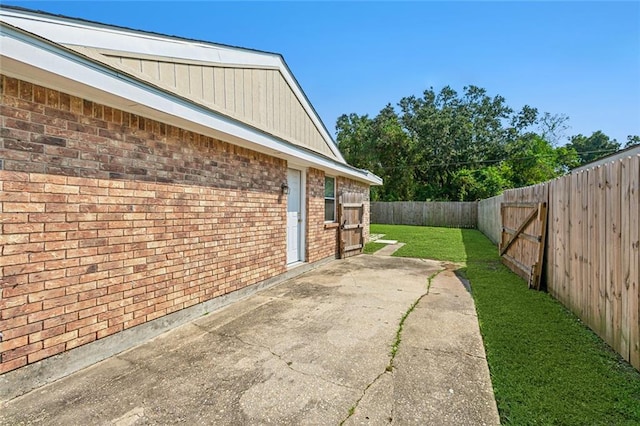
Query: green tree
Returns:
{"type": "Point", "coordinates": [382, 146]}
{"type": "Point", "coordinates": [450, 146]}
{"type": "Point", "coordinates": [531, 159]}
{"type": "Point", "coordinates": [353, 134]}
{"type": "Point", "coordinates": [473, 185]}
{"type": "Point", "coordinates": [453, 132]}
{"type": "Point", "coordinates": [632, 140]}
{"type": "Point", "coordinates": [395, 153]}
{"type": "Point", "coordinates": [553, 127]}
{"type": "Point", "coordinates": [591, 148]}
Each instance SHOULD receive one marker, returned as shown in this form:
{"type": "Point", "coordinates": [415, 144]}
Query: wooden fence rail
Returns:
{"type": "Point", "coordinates": [429, 213]}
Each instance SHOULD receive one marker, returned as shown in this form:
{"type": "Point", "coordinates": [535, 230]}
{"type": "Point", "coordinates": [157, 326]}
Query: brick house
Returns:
{"type": "Point", "coordinates": [144, 178]}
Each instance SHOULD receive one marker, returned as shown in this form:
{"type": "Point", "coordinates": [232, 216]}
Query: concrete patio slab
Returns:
{"type": "Point", "coordinates": [441, 371]}
{"type": "Point", "coordinates": [313, 350]}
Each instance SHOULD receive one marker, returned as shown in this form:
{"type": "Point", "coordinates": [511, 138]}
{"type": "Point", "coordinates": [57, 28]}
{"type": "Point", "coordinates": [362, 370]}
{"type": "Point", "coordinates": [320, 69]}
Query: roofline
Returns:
{"type": "Point", "coordinates": [134, 30]}
{"type": "Point", "coordinates": [324, 131]}
{"type": "Point", "coordinates": [59, 61]}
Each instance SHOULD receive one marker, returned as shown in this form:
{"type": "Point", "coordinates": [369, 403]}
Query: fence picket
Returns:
{"type": "Point", "coordinates": [609, 241]}
{"type": "Point", "coordinates": [625, 229]}
{"type": "Point", "coordinates": [593, 248]}
{"type": "Point", "coordinates": [574, 241]}
{"type": "Point", "coordinates": [616, 265]}
{"type": "Point", "coordinates": [489, 221]}
{"type": "Point", "coordinates": [634, 262]}
{"type": "Point", "coordinates": [602, 267]}
{"type": "Point", "coordinates": [566, 282]}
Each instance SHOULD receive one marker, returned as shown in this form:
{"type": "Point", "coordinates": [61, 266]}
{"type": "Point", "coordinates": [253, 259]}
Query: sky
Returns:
{"type": "Point", "coordinates": [578, 58]}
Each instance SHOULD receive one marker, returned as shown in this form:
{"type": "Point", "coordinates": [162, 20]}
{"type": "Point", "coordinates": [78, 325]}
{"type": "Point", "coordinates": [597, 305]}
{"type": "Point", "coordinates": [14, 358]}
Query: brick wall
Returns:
{"type": "Point", "coordinates": [47, 131]}
{"type": "Point", "coordinates": [110, 220]}
{"type": "Point", "coordinates": [85, 258]}
{"type": "Point", "coordinates": [322, 239]}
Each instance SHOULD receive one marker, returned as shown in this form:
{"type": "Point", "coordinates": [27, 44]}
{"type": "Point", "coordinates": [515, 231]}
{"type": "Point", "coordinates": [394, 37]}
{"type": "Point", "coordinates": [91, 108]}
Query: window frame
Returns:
{"type": "Point", "coordinates": [333, 199]}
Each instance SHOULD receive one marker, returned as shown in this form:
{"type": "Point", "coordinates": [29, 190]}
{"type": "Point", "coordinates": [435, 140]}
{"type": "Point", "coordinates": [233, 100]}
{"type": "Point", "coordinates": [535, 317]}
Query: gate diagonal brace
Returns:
{"type": "Point", "coordinates": [521, 228]}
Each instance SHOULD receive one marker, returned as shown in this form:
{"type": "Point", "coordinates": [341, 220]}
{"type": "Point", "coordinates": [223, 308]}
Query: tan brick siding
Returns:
{"type": "Point", "coordinates": [322, 242]}
{"type": "Point", "coordinates": [109, 220]}
{"type": "Point", "coordinates": [84, 255]}
{"type": "Point", "coordinates": [46, 131]}
{"type": "Point", "coordinates": [85, 258]}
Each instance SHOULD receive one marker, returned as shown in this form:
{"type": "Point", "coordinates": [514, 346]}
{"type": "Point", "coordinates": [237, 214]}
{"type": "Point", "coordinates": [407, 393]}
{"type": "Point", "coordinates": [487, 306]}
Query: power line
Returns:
{"type": "Point", "coordinates": [479, 162]}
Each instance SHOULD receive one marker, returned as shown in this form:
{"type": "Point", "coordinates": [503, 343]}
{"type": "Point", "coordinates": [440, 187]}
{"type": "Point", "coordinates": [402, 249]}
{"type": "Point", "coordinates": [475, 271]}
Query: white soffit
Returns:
{"type": "Point", "coordinates": [68, 31]}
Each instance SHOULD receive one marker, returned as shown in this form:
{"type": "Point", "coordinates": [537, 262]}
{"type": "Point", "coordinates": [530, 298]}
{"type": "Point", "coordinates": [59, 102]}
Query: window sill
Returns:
{"type": "Point", "coordinates": [331, 225]}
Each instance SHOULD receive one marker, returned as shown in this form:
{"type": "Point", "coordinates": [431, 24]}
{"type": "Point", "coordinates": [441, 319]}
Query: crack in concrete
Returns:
{"type": "Point", "coordinates": [475, 356]}
{"type": "Point", "coordinates": [388, 368]}
{"type": "Point", "coordinates": [352, 410]}
{"type": "Point", "coordinates": [395, 347]}
{"type": "Point", "coordinates": [430, 281]}
{"type": "Point", "coordinates": [289, 363]}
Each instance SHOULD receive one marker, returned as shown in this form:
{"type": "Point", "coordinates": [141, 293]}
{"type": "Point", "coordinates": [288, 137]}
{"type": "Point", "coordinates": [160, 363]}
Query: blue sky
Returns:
{"type": "Point", "coordinates": [577, 58]}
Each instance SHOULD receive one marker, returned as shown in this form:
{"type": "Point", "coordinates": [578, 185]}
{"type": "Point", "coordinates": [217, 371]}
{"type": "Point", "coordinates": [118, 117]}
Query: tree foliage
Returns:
{"type": "Point", "coordinates": [632, 140]}
{"type": "Point", "coordinates": [553, 127]}
{"type": "Point", "coordinates": [450, 146]}
{"type": "Point", "coordinates": [591, 148]}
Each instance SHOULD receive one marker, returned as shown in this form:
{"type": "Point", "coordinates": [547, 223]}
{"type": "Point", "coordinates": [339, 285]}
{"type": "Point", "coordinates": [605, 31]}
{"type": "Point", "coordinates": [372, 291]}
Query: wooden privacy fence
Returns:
{"type": "Point", "coordinates": [592, 257]}
{"type": "Point", "coordinates": [589, 259]}
{"type": "Point", "coordinates": [428, 213]}
{"type": "Point", "coordinates": [489, 220]}
{"type": "Point", "coordinates": [593, 265]}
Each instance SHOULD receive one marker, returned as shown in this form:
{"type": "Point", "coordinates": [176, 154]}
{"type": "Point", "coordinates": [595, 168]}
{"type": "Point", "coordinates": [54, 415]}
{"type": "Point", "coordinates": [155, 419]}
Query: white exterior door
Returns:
{"type": "Point", "coordinates": [294, 216]}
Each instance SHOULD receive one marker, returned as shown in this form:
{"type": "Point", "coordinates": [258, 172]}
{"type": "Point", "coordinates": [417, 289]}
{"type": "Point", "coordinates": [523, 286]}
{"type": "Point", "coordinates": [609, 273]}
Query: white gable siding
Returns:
{"type": "Point", "coordinates": [258, 96]}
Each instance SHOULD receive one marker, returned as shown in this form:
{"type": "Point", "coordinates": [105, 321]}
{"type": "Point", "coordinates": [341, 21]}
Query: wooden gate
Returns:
{"type": "Point", "coordinates": [524, 230]}
{"type": "Point", "coordinates": [350, 217]}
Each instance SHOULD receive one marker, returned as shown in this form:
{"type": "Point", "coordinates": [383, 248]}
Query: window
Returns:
{"type": "Point", "coordinates": [329, 199]}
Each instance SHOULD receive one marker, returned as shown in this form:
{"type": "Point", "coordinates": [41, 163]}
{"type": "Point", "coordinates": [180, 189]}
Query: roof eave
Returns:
{"type": "Point", "coordinates": [114, 37]}
{"type": "Point", "coordinates": [62, 65]}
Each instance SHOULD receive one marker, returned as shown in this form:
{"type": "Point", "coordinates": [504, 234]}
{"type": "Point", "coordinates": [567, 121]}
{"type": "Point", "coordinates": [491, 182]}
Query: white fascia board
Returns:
{"type": "Point", "coordinates": [69, 31]}
{"type": "Point", "coordinates": [73, 32]}
{"type": "Point", "coordinates": [129, 94]}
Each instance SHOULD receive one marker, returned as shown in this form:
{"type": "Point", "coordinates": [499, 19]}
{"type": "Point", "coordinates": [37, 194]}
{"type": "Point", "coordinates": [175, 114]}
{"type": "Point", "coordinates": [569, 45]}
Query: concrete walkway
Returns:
{"type": "Point", "coordinates": [388, 250]}
{"type": "Point", "coordinates": [314, 350]}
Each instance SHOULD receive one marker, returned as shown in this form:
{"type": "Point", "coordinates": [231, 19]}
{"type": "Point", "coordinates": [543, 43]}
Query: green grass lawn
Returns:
{"type": "Point", "coordinates": [546, 366]}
